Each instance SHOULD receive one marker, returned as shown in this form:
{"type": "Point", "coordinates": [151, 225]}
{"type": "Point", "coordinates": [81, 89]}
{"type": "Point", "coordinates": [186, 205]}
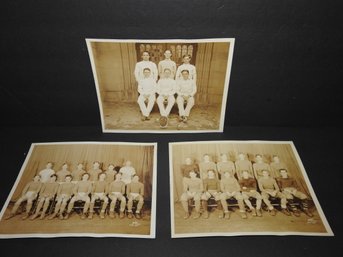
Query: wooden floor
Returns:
{"type": "Point", "coordinates": [128, 116]}
{"type": "Point", "coordinates": [266, 223]}
{"type": "Point", "coordinates": [75, 224]}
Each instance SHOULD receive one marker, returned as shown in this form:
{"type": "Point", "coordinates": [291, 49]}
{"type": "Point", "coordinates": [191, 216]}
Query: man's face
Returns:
{"type": "Point", "coordinates": [128, 164]}
{"type": "Point", "coordinates": [167, 73]}
{"type": "Point", "coordinates": [145, 56]}
{"type": "Point", "coordinates": [146, 73]}
{"type": "Point", "coordinates": [188, 161]}
{"type": "Point", "coordinates": [210, 174]}
{"type": "Point", "coordinates": [53, 179]}
{"type": "Point", "coordinates": [49, 165]}
{"type": "Point", "coordinates": [265, 173]}
{"type": "Point", "coordinates": [110, 167]}
{"type": "Point", "coordinates": [65, 166]}
{"type": "Point", "coordinates": [245, 174]}
{"type": "Point", "coordinates": [167, 54]}
{"type": "Point", "coordinates": [241, 156]}
{"type": "Point", "coordinates": [36, 178]}
{"type": "Point", "coordinates": [80, 166]}
{"type": "Point", "coordinates": [135, 179]}
{"type": "Point", "coordinates": [85, 177]}
{"type": "Point", "coordinates": [118, 176]}
{"type": "Point", "coordinates": [276, 159]}
{"type": "Point", "coordinates": [258, 158]}
{"type": "Point", "coordinates": [192, 174]}
{"type": "Point", "coordinates": [206, 158]}
{"type": "Point", "coordinates": [68, 179]}
{"type": "Point", "coordinates": [283, 174]}
{"type": "Point", "coordinates": [96, 165]}
{"type": "Point", "coordinates": [224, 157]}
{"type": "Point", "coordinates": [186, 59]}
{"type": "Point", "coordinates": [185, 75]}
{"type": "Point", "coordinates": [102, 177]}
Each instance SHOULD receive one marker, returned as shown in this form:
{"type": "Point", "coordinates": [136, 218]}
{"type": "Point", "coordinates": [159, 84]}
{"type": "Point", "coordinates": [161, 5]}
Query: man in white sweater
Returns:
{"type": "Point", "coordinates": [146, 90]}
{"type": "Point", "coordinates": [145, 63]}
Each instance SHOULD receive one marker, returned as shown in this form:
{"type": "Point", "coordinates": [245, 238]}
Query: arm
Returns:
{"type": "Point", "coordinates": [123, 189]}
{"type": "Point", "coordinates": [222, 186]}
{"type": "Point", "coordinates": [141, 190]}
{"type": "Point", "coordinates": [178, 72]}
{"type": "Point", "coordinates": [136, 72]}
{"type": "Point", "coordinates": [26, 188]}
{"type": "Point", "coordinates": [194, 74]}
{"type": "Point", "coordinates": [255, 171]}
{"type": "Point", "coordinates": [173, 70]}
{"type": "Point", "coordinates": [194, 88]}
{"type": "Point", "coordinates": [260, 185]}
{"type": "Point", "coordinates": [89, 188]}
{"type": "Point", "coordinates": [160, 71]}
{"type": "Point", "coordinates": [154, 71]}
{"type": "Point", "coordinates": [158, 86]}
{"type": "Point", "coordinates": [185, 186]}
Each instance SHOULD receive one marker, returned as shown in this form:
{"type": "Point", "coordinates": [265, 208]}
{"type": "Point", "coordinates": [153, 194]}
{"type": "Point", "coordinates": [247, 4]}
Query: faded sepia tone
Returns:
{"type": "Point", "coordinates": [74, 220]}
{"type": "Point", "coordinates": [113, 66]}
{"type": "Point", "coordinates": [299, 217]}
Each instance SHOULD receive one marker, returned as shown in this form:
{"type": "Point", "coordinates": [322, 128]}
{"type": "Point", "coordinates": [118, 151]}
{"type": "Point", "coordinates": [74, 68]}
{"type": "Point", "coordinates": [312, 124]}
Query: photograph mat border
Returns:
{"type": "Point", "coordinates": [210, 234]}
{"type": "Point", "coordinates": [152, 234]}
{"type": "Point", "coordinates": [226, 85]}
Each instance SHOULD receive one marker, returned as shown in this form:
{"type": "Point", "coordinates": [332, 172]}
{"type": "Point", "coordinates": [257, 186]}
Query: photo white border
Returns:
{"type": "Point", "coordinates": [152, 234]}
{"type": "Point", "coordinates": [210, 234]}
{"type": "Point", "coordinates": [164, 131]}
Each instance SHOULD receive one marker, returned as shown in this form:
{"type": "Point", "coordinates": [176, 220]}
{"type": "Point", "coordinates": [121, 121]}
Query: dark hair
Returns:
{"type": "Point", "coordinates": [185, 71]}
{"type": "Point", "coordinates": [146, 52]}
{"type": "Point", "coordinates": [187, 55]}
{"type": "Point", "coordinates": [86, 173]}
{"type": "Point", "coordinates": [68, 176]}
{"type": "Point", "coordinates": [101, 174]}
{"type": "Point", "coordinates": [53, 175]}
{"type": "Point", "coordinates": [166, 69]}
{"type": "Point", "coordinates": [146, 69]}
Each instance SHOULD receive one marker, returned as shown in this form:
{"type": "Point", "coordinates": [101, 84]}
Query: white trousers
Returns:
{"type": "Point", "coordinates": [164, 111]}
{"type": "Point", "coordinates": [146, 109]}
{"type": "Point", "coordinates": [180, 104]}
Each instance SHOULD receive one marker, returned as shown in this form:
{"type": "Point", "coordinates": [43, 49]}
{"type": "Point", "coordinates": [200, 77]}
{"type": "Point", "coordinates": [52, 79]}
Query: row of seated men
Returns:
{"type": "Point", "coordinates": [242, 185]}
{"type": "Point", "coordinates": [64, 195]}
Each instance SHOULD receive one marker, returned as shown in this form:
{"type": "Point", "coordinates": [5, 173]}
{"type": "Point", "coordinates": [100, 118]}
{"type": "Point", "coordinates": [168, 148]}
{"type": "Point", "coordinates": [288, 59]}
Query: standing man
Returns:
{"type": "Point", "coordinates": [259, 166]}
{"type": "Point", "coordinates": [28, 194]}
{"type": "Point", "coordinates": [167, 63]}
{"type": "Point", "coordinates": [166, 88]}
{"type": "Point", "coordinates": [127, 172]}
{"type": "Point", "coordinates": [243, 164]}
{"type": "Point", "coordinates": [145, 63]}
{"type": "Point", "coordinates": [225, 165]}
{"type": "Point", "coordinates": [77, 174]}
{"type": "Point", "coordinates": [46, 173]}
{"type": "Point", "coordinates": [47, 193]}
{"type": "Point", "coordinates": [61, 174]}
{"type": "Point", "coordinates": [135, 191]}
{"type": "Point", "coordinates": [211, 189]}
{"type": "Point", "coordinates": [276, 166]}
{"type": "Point", "coordinates": [186, 66]}
{"type": "Point", "coordinates": [207, 165]}
{"type": "Point", "coordinates": [185, 89]}
{"type": "Point", "coordinates": [110, 173]}
{"type": "Point", "coordinates": [146, 90]}
{"type": "Point", "coordinates": [94, 172]}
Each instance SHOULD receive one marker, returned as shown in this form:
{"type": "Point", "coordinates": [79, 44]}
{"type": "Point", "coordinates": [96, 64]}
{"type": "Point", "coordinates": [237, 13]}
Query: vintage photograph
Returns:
{"type": "Point", "coordinates": [96, 189]}
{"type": "Point", "coordinates": [231, 188]}
{"type": "Point", "coordinates": [161, 86]}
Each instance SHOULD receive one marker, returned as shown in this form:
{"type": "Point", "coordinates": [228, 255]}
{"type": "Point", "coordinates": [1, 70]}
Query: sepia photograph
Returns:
{"type": "Point", "coordinates": [234, 188]}
{"type": "Point", "coordinates": [161, 86]}
{"type": "Point", "coordinates": [94, 189]}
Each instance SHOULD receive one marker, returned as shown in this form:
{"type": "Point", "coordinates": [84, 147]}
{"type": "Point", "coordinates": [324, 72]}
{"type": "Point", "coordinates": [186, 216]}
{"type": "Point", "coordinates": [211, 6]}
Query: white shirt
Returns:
{"type": "Point", "coordinates": [45, 175]}
{"type": "Point", "coordinates": [127, 173]}
{"type": "Point", "coordinates": [166, 86]}
{"type": "Point", "coordinates": [147, 86]}
{"type": "Point", "coordinates": [167, 64]}
{"type": "Point", "coordinates": [191, 69]}
{"type": "Point", "coordinates": [186, 87]}
{"type": "Point", "coordinates": [140, 66]}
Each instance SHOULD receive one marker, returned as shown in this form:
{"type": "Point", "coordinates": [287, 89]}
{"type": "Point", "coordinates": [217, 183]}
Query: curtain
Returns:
{"type": "Point", "coordinates": [72, 154]}
{"type": "Point", "coordinates": [197, 150]}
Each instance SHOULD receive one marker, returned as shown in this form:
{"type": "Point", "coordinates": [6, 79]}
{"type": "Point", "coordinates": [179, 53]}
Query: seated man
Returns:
{"type": "Point", "coordinates": [135, 191]}
{"type": "Point", "coordinates": [207, 165]}
{"type": "Point", "coordinates": [276, 165]}
{"type": "Point", "coordinates": [187, 167]}
{"type": "Point", "coordinates": [77, 174]}
{"type": "Point", "coordinates": [230, 188]}
{"type": "Point", "coordinates": [146, 90]}
{"type": "Point", "coordinates": [46, 173]}
{"type": "Point", "coordinates": [28, 194]}
{"type": "Point", "coordinates": [127, 172]}
{"type": "Point", "coordinates": [269, 187]}
{"type": "Point", "coordinates": [166, 88]}
{"type": "Point", "coordinates": [116, 191]}
{"type": "Point", "coordinates": [211, 189]}
{"type": "Point", "coordinates": [290, 189]}
{"type": "Point", "coordinates": [185, 89]}
{"type": "Point", "coordinates": [99, 192]}
{"type": "Point", "coordinates": [47, 193]}
{"type": "Point", "coordinates": [81, 191]}
{"type": "Point", "coordinates": [249, 189]}
{"type": "Point", "coordinates": [192, 189]}
{"type": "Point", "coordinates": [64, 193]}
{"type": "Point", "coordinates": [61, 174]}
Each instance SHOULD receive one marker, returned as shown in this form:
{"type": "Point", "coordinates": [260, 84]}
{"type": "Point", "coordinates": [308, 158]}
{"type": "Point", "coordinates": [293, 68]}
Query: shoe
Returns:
{"type": "Point", "coordinates": [272, 212]}
{"type": "Point", "coordinates": [34, 216]}
{"type": "Point", "coordinates": [25, 216]}
{"type": "Point", "coordinates": [296, 213]}
{"type": "Point", "coordinates": [129, 215]}
{"type": "Point", "coordinates": [90, 215]}
{"type": "Point", "coordinates": [42, 216]}
{"type": "Point", "coordinates": [253, 212]}
{"type": "Point", "coordinates": [147, 118]}
{"type": "Point", "coordinates": [244, 215]}
{"type": "Point", "coordinates": [52, 216]}
{"type": "Point", "coordinates": [60, 216]}
{"type": "Point", "coordinates": [138, 215]}
{"type": "Point", "coordinates": [121, 215]}
{"type": "Point", "coordinates": [196, 216]}
{"type": "Point", "coordinates": [205, 215]}
{"type": "Point", "coordinates": [186, 216]}
{"type": "Point", "coordinates": [102, 215]}
{"type": "Point", "coordinates": [259, 213]}
{"type": "Point", "coordinates": [286, 211]}
{"type": "Point", "coordinates": [66, 216]}
{"type": "Point", "coordinates": [181, 118]}
{"type": "Point", "coordinates": [112, 215]}
{"type": "Point", "coordinates": [308, 213]}
{"type": "Point", "coordinates": [9, 216]}
{"type": "Point", "coordinates": [143, 118]}
{"type": "Point", "coordinates": [83, 216]}
{"type": "Point", "coordinates": [163, 121]}
{"type": "Point", "coordinates": [185, 118]}
{"type": "Point", "coordinates": [227, 215]}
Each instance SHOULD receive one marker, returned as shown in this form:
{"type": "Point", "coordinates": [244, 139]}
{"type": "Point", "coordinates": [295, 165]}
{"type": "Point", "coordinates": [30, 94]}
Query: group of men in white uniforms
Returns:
{"type": "Point", "coordinates": [166, 80]}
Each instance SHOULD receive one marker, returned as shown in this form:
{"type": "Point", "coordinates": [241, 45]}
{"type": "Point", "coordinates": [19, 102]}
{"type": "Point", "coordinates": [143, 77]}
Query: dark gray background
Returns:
{"type": "Point", "coordinates": [285, 85]}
